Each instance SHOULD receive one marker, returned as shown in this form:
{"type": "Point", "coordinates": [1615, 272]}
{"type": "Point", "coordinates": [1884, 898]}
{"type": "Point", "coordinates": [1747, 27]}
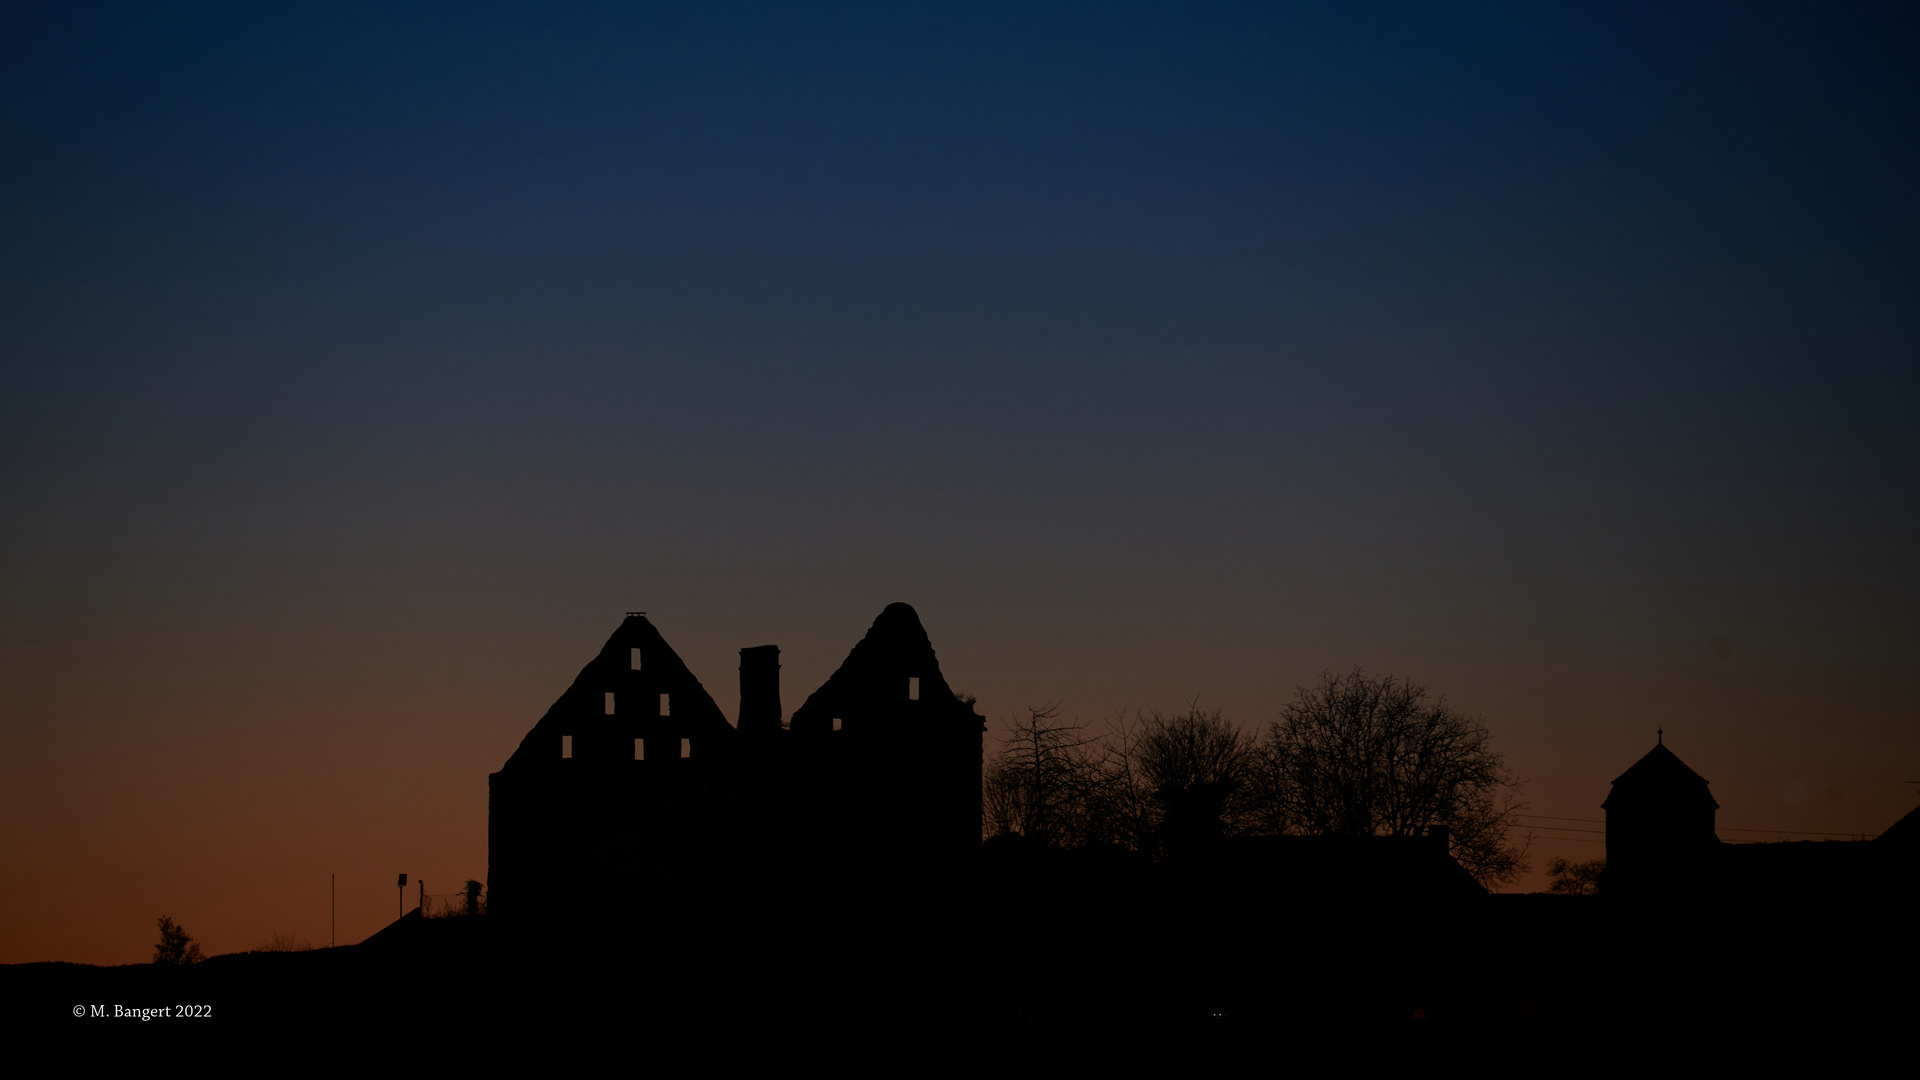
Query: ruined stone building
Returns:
{"type": "Point", "coordinates": [634, 781]}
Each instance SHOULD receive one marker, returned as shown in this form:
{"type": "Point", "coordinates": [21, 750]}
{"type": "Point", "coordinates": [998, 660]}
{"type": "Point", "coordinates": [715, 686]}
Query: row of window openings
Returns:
{"type": "Point", "coordinates": [666, 704]}
{"type": "Point", "coordinates": [633, 663]}
{"type": "Point", "coordinates": [639, 748]}
{"type": "Point", "coordinates": [640, 744]}
{"type": "Point", "coordinates": [639, 754]}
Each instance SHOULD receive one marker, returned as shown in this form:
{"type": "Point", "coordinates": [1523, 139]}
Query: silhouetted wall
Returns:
{"type": "Point", "coordinates": [629, 780]}
{"type": "Point", "coordinates": [634, 782]}
{"type": "Point", "coordinates": [897, 755]}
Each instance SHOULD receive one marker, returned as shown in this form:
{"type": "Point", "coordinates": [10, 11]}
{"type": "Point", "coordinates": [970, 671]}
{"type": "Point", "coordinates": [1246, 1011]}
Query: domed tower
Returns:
{"type": "Point", "coordinates": [1659, 825]}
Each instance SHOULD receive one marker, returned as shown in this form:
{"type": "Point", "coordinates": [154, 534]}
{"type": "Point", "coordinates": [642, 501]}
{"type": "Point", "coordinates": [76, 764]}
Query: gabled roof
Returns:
{"type": "Point", "coordinates": [580, 710]}
{"type": "Point", "coordinates": [1661, 775]}
{"type": "Point", "coordinates": [873, 678]}
{"type": "Point", "coordinates": [1903, 833]}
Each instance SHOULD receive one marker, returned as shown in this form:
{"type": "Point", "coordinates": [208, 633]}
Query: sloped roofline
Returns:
{"type": "Point", "coordinates": [1662, 770]}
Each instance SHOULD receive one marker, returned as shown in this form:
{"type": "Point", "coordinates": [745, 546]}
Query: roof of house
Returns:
{"type": "Point", "coordinates": [1661, 775]}
{"type": "Point", "coordinates": [1903, 833]}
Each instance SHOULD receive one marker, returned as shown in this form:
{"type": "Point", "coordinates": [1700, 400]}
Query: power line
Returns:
{"type": "Point", "coordinates": [1717, 828]}
{"type": "Point", "coordinates": [1793, 832]}
{"type": "Point", "coordinates": [1563, 828]}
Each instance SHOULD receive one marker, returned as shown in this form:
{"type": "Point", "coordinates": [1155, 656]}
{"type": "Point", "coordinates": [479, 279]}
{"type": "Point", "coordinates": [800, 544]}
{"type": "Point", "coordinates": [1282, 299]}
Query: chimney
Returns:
{"type": "Point", "coordinates": [760, 691]}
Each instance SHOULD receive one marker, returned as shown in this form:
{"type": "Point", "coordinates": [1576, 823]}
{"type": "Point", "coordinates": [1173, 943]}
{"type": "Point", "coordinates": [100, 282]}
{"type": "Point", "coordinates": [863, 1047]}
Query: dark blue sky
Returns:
{"type": "Point", "coordinates": [1139, 348]}
{"type": "Point", "coordinates": [1103, 280]}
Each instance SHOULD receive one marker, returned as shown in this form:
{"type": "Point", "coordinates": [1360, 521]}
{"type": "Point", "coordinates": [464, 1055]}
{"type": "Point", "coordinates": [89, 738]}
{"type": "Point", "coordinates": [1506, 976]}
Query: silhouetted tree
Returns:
{"type": "Point", "coordinates": [175, 947]}
{"type": "Point", "coordinates": [1196, 764]}
{"type": "Point", "coordinates": [1360, 755]}
{"type": "Point", "coordinates": [1125, 812]}
{"type": "Point", "coordinates": [473, 898]}
{"type": "Point", "coordinates": [1568, 878]}
{"type": "Point", "coordinates": [1044, 782]}
{"type": "Point", "coordinates": [1170, 783]}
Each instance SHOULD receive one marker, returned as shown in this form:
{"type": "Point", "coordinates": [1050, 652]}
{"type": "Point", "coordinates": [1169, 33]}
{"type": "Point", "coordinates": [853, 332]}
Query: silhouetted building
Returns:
{"type": "Point", "coordinates": [1661, 840]}
{"type": "Point", "coordinates": [1903, 835]}
{"type": "Point", "coordinates": [634, 781]}
{"type": "Point", "coordinates": [1660, 828]}
{"type": "Point", "coordinates": [891, 757]}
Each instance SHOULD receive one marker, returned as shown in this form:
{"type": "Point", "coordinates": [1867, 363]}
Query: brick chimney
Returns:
{"type": "Point", "coordinates": [760, 691]}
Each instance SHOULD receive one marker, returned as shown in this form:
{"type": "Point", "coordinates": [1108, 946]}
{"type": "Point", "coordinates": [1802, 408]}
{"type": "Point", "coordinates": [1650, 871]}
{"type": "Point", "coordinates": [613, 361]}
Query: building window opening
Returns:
{"type": "Point", "coordinates": [633, 659]}
{"type": "Point", "coordinates": [639, 749]}
{"type": "Point", "coordinates": [836, 723]}
{"type": "Point", "coordinates": [566, 746]}
{"type": "Point", "coordinates": [913, 688]}
{"type": "Point", "coordinates": [609, 704]}
{"type": "Point", "coordinates": [686, 747]}
{"type": "Point", "coordinates": [666, 704]}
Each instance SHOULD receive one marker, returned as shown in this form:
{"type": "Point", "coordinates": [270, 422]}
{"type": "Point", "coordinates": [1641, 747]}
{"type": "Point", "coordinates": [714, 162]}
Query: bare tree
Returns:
{"type": "Point", "coordinates": [1569, 878]}
{"type": "Point", "coordinates": [1044, 783]}
{"type": "Point", "coordinates": [1172, 782]}
{"type": "Point", "coordinates": [1126, 811]}
{"type": "Point", "coordinates": [1360, 755]}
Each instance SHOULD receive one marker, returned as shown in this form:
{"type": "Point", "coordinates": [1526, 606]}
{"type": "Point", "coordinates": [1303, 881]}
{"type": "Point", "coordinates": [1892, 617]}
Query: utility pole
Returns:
{"type": "Point", "coordinates": [333, 910]}
{"type": "Point", "coordinates": [400, 898]}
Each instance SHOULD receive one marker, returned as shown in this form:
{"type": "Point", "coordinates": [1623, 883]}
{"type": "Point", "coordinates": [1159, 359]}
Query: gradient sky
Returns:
{"type": "Point", "coordinates": [362, 367]}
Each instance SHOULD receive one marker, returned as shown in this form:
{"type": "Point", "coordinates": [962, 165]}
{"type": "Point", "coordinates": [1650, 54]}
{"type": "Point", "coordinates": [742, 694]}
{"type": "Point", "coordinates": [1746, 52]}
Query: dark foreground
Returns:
{"type": "Point", "coordinates": [1033, 955]}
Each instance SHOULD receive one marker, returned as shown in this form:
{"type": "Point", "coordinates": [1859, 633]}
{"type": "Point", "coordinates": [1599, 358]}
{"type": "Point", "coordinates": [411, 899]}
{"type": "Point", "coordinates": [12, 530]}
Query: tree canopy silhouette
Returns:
{"type": "Point", "coordinates": [1568, 878]}
{"type": "Point", "coordinates": [1195, 763]}
{"type": "Point", "coordinates": [176, 946]}
{"type": "Point", "coordinates": [1151, 785]}
{"type": "Point", "coordinates": [1362, 755]}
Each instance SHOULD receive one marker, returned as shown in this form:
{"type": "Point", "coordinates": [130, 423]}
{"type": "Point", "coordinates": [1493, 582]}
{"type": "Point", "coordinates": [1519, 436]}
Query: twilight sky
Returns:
{"type": "Point", "coordinates": [361, 368]}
